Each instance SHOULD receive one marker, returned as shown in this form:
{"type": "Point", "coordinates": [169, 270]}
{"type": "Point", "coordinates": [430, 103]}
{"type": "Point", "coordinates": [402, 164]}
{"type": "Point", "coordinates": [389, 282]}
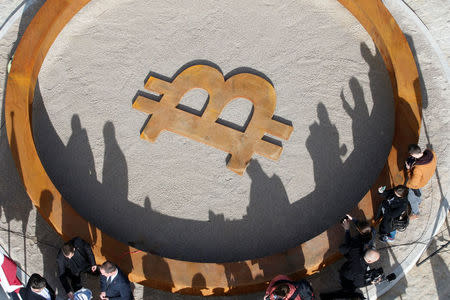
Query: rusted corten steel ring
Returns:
{"type": "Point", "coordinates": [175, 275]}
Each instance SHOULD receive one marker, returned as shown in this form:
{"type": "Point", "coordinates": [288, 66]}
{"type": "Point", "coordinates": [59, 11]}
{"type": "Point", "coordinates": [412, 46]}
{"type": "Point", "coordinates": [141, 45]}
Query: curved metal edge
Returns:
{"type": "Point", "coordinates": [174, 275]}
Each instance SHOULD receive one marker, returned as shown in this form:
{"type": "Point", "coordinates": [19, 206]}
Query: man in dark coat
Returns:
{"type": "Point", "coordinates": [114, 285]}
{"type": "Point", "coordinates": [353, 271]}
{"type": "Point", "coordinates": [74, 258]}
{"type": "Point", "coordinates": [359, 253]}
{"type": "Point", "coordinates": [393, 206]}
{"type": "Point", "coordinates": [37, 289]}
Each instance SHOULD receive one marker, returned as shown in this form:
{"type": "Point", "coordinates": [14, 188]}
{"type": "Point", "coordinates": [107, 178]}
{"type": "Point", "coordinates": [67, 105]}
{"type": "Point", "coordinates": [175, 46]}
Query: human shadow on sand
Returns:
{"type": "Point", "coordinates": [272, 223]}
{"type": "Point", "coordinates": [15, 204]}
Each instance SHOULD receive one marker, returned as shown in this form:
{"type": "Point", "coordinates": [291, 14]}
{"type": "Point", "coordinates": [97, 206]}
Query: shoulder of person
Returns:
{"type": "Point", "coordinates": [388, 193]}
{"type": "Point", "coordinates": [418, 169]}
{"type": "Point", "coordinates": [121, 275]}
{"type": "Point", "coordinates": [49, 287]}
{"type": "Point", "coordinates": [434, 155]}
{"type": "Point", "coordinates": [77, 241]}
{"type": "Point", "coordinates": [26, 292]}
{"type": "Point", "coordinates": [23, 290]}
{"type": "Point", "coordinates": [122, 278]}
{"type": "Point", "coordinates": [427, 154]}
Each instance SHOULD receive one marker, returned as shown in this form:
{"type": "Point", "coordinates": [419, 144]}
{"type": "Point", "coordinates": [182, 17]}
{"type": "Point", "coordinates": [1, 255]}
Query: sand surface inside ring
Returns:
{"type": "Point", "coordinates": [176, 197]}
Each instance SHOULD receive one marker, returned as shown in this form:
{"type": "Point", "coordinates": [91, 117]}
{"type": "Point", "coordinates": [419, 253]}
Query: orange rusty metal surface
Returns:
{"type": "Point", "coordinates": [204, 129]}
{"type": "Point", "coordinates": [175, 275]}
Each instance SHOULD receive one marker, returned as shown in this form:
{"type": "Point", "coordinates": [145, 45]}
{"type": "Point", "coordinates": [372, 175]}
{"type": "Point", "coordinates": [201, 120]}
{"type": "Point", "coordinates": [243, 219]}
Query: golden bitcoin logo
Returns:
{"type": "Point", "coordinates": [205, 129]}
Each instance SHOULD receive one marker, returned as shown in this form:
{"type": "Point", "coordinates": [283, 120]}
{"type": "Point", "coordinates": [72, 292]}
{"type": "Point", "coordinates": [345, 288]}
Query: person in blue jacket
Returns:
{"type": "Point", "coordinates": [113, 283]}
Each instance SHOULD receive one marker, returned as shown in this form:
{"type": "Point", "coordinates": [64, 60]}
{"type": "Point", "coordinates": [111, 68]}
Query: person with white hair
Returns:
{"type": "Point", "coordinates": [83, 294]}
{"type": "Point", "coordinates": [353, 272]}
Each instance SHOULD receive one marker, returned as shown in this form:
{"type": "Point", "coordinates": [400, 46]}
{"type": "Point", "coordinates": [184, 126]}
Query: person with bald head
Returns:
{"type": "Point", "coordinates": [353, 272]}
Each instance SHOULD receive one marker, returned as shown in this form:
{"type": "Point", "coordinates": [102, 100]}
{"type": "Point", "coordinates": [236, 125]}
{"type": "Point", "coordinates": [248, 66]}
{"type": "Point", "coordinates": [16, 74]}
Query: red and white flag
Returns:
{"type": "Point", "coordinates": [8, 275]}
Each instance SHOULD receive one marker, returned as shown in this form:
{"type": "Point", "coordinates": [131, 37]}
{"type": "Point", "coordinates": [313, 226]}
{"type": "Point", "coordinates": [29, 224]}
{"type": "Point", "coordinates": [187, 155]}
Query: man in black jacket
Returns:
{"type": "Point", "coordinates": [353, 272]}
{"type": "Point", "coordinates": [114, 285]}
{"type": "Point", "coordinates": [359, 252]}
{"type": "Point", "coordinates": [74, 258]}
{"type": "Point", "coordinates": [37, 289]}
{"type": "Point", "coordinates": [393, 206]}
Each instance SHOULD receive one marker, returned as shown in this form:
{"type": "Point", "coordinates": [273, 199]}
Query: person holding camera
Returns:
{"type": "Point", "coordinates": [359, 252]}
{"type": "Point", "coordinates": [420, 166]}
{"type": "Point", "coordinates": [366, 235]}
{"type": "Point", "coordinates": [359, 256]}
{"type": "Point", "coordinates": [394, 205]}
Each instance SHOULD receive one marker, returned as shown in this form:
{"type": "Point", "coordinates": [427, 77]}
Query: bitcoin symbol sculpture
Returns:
{"type": "Point", "coordinates": [205, 129]}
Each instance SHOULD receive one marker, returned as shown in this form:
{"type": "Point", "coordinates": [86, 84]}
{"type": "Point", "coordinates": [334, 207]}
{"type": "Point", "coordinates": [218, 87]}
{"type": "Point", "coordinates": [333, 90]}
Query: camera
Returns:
{"type": "Point", "coordinates": [411, 160]}
{"type": "Point", "coordinates": [344, 218]}
{"type": "Point", "coordinates": [377, 276]}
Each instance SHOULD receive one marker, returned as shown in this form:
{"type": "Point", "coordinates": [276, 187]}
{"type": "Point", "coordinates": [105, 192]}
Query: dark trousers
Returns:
{"type": "Point", "coordinates": [70, 281]}
{"type": "Point", "coordinates": [386, 225]}
{"type": "Point", "coordinates": [346, 284]}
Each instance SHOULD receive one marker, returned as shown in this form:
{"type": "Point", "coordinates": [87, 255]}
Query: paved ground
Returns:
{"type": "Point", "coordinates": [31, 242]}
{"type": "Point", "coordinates": [430, 279]}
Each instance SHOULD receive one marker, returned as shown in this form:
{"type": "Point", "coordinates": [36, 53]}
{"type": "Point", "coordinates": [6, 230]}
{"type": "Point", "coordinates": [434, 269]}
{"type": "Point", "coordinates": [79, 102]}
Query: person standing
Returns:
{"type": "Point", "coordinates": [74, 258]}
{"type": "Point", "coordinates": [113, 283]}
{"type": "Point", "coordinates": [393, 206]}
{"type": "Point", "coordinates": [366, 233]}
{"type": "Point", "coordinates": [420, 168]}
{"type": "Point", "coordinates": [353, 271]}
{"type": "Point", "coordinates": [359, 255]}
{"type": "Point", "coordinates": [37, 289]}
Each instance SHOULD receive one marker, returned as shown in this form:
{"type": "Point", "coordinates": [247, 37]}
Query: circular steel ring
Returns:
{"type": "Point", "coordinates": [175, 275]}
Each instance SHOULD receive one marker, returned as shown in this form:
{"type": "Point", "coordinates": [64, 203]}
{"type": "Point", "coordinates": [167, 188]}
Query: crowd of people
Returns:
{"type": "Point", "coordinates": [400, 204]}
{"type": "Point", "coordinates": [73, 259]}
